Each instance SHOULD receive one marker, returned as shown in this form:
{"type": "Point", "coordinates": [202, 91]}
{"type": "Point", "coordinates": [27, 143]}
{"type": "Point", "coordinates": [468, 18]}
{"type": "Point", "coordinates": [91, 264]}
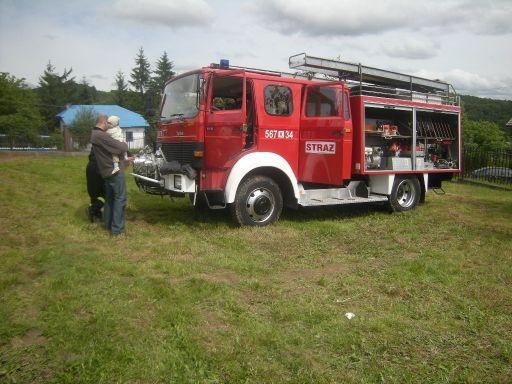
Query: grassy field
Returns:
{"type": "Point", "coordinates": [188, 298]}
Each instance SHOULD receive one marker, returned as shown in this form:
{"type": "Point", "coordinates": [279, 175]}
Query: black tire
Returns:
{"type": "Point", "coordinates": [258, 202]}
{"type": "Point", "coordinates": [406, 193]}
{"type": "Point", "coordinates": [201, 204]}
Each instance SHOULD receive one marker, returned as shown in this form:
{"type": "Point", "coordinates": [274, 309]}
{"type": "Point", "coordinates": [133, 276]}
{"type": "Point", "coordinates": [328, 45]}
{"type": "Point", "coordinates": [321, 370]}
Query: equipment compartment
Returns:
{"type": "Point", "coordinates": [438, 133]}
{"type": "Point", "coordinates": [387, 131]}
{"type": "Point", "coordinates": [406, 139]}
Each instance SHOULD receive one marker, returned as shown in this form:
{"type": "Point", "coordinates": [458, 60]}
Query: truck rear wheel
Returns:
{"type": "Point", "coordinates": [258, 202]}
{"type": "Point", "coordinates": [406, 193]}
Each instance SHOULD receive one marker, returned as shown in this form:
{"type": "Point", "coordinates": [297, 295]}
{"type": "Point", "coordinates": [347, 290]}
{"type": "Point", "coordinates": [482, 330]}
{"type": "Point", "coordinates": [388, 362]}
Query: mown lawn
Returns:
{"type": "Point", "coordinates": [189, 298]}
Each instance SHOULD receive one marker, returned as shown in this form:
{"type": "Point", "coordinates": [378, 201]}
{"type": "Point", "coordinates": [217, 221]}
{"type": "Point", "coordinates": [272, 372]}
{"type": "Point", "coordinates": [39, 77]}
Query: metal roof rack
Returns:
{"type": "Point", "coordinates": [293, 75]}
{"type": "Point", "coordinates": [376, 81]}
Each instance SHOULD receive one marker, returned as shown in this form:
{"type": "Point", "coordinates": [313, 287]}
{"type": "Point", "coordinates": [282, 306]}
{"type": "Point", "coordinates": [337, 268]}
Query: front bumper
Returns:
{"type": "Point", "coordinates": [155, 176]}
{"type": "Point", "coordinates": [174, 182]}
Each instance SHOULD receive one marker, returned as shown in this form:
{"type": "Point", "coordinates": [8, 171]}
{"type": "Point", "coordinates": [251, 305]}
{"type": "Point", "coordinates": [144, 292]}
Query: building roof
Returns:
{"type": "Point", "coordinates": [509, 124]}
{"type": "Point", "coordinates": [128, 119]}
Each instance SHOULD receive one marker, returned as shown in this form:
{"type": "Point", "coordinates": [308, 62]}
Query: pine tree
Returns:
{"type": "Point", "coordinates": [141, 73]}
{"type": "Point", "coordinates": [120, 96]}
{"type": "Point", "coordinates": [55, 91]}
{"type": "Point", "coordinates": [162, 73]}
{"type": "Point", "coordinates": [19, 114]}
{"type": "Point", "coordinates": [85, 93]}
{"type": "Point", "coordinates": [81, 125]}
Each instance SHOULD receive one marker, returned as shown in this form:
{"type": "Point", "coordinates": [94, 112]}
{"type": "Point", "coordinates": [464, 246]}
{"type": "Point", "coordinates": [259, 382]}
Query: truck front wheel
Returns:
{"type": "Point", "coordinates": [406, 194]}
{"type": "Point", "coordinates": [258, 202]}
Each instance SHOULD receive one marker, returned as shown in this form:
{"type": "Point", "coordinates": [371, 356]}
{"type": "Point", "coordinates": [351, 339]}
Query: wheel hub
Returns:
{"type": "Point", "coordinates": [405, 194]}
{"type": "Point", "coordinates": [260, 204]}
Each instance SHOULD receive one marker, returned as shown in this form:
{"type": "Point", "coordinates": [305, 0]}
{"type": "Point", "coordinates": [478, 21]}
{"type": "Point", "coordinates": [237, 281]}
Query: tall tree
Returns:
{"type": "Point", "coordinates": [479, 108]}
{"type": "Point", "coordinates": [162, 73]}
{"type": "Point", "coordinates": [55, 91]}
{"type": "Point", "coordinates": [485, 135]}
{"type": "Point", "coordinates": [81, 125]}
{"type": "Point", "coordinates": [141, 73]}
{"type": "Point", "coordinates": [19, 114]}
{"type": "Point", "coordinates": [85, 93]}
{"type": "Point", "coordinates": [120, 93]}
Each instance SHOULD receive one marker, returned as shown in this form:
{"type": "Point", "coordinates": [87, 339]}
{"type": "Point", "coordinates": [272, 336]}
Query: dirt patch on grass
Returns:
{"type": "Point", "coordinates": [29, 312]}
{"type": "Point", "coordinates": [82, 315]}
{"type": "Point", "coordinates": [6, 157]}
{"type": "Point", "coordinates": [30, 339]}
{"type": "Point", "coordinates": [397, 292]}
{"type": "Point", "coordinates": [212, 330]}
{"type": "Point", "coordinates": [315, 273]}
{"type": "Point", "coordinates": [221, 277]}
{"type": "Point", "coordinates": [278, 241]}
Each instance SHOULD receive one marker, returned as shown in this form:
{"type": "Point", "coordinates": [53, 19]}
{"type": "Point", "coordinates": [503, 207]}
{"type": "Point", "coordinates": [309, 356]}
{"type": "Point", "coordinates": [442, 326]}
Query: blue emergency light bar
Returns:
{"type": "Point", "coordinates": [224, 63]}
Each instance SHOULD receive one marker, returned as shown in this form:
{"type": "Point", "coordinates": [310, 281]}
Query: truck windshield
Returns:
{"type": "Point", "coordinates": [181, 98]}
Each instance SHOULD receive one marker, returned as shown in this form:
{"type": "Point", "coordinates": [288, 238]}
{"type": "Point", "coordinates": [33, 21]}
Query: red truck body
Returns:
{"type": "Point", "coordinates": [319, 142]}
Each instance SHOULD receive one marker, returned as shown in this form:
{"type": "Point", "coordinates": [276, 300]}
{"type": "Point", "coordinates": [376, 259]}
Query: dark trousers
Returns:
{"type": "Point", "coordinates": [115, 202]}
{"type": "Point", "coordinates": [95, 188]}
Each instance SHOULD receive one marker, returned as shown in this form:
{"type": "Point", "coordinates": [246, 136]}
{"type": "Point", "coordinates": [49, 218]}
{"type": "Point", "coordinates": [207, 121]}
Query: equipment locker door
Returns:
{"type": "Point", "coordinates": [226, 118]}
{"type": "Point", "coordinates": [322, 129]}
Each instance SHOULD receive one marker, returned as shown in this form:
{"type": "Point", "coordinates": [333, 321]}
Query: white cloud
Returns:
{"type": "Point", "coordinates": [99, 77]}
{"type": "Point", "coordinates": [490, 19]}
{"type": "Point", "coordinates": [98, 38]}
{"type": "Point", "coordinates": [411, 49]}
{"type": "Point", "coordinates": [359, 17]}
{"type": "Point", "coordinates": [169, 13]}
{"type": "Point", "coordinates": [50, 37]}
{"type": "Point", "coordinates": [466, 82]}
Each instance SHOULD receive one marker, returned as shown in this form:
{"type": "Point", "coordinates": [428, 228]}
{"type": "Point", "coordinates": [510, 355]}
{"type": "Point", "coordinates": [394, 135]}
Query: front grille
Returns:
{"type": "Point", "coordinates": [183, 152]}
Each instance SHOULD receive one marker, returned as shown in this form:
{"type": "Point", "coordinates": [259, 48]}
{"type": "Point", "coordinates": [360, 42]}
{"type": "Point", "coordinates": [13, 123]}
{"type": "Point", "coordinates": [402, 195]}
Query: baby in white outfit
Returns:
{"type": "Point", "coordinates": [114, 130]}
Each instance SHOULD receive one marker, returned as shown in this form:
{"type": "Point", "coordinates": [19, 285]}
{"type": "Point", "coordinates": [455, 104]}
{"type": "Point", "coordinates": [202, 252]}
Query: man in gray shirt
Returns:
{"type": "Point", "coordinates": [104, 147]}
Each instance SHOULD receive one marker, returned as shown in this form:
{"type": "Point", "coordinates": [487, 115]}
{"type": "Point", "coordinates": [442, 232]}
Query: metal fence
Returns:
{"type": "Point", "coordinates": [38, 143]}
{"type": "Point", "coordinates": [494, 167]}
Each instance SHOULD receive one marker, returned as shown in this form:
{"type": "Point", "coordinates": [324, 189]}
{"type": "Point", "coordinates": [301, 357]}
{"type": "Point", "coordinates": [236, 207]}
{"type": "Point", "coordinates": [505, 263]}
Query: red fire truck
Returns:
{"type": "Point", "coordinates": [331, 133]}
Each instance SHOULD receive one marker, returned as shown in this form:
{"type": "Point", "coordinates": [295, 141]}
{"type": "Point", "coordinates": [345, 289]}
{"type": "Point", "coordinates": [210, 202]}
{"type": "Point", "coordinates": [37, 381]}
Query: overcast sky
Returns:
{"type": "Point", "coordinates": [465, 42]}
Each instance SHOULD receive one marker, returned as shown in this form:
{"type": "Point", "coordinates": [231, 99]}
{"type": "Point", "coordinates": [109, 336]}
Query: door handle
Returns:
{"type": "Point", "coordinates": [338, 132]}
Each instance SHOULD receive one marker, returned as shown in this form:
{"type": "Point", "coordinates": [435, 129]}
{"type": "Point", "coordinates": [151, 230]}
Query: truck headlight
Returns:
{"type": "Point", "coordinates": [177, 181]}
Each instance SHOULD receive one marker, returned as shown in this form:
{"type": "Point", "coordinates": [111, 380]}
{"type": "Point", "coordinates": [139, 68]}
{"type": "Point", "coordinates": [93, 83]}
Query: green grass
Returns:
{"type": "Point", "coordinates": [188, 298]}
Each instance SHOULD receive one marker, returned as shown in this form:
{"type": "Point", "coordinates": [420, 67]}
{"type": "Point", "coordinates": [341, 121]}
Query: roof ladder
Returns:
{"type": "Point", "coordinates": [364, 74]}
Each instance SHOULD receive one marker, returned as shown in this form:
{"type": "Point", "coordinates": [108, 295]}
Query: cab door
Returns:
{"type": "Point", "coordinates": [322, 129]}
{"type": "Point", "coordinates": [226, 115]}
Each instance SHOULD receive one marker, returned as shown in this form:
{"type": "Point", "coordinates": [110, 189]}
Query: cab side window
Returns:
{"type": "Point", "coordinates": [321, 102]}
{"type": "Point", "coordinates": [346, 108]}
{"type": "Point", "coordinates": [227, 93]}
{"type": "Point", "coordinates": [278, 100]}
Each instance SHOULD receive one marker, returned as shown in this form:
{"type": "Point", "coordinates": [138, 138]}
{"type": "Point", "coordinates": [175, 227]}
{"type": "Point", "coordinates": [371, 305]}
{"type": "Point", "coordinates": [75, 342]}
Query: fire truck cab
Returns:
{"type": "Point", "coordinates": [255, 140]}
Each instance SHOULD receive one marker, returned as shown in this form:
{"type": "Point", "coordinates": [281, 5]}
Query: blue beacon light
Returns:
{"type": "Point", "coordinates": [224, 63]}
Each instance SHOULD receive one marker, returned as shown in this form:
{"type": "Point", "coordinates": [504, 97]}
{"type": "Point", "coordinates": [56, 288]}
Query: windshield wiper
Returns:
{"type": "Point", "coordinates": [180, 115]}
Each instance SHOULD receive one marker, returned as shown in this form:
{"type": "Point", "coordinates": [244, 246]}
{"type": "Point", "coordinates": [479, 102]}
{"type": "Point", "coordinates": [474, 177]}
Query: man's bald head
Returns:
{"type": "Point", "coordinates": [101, 121]}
